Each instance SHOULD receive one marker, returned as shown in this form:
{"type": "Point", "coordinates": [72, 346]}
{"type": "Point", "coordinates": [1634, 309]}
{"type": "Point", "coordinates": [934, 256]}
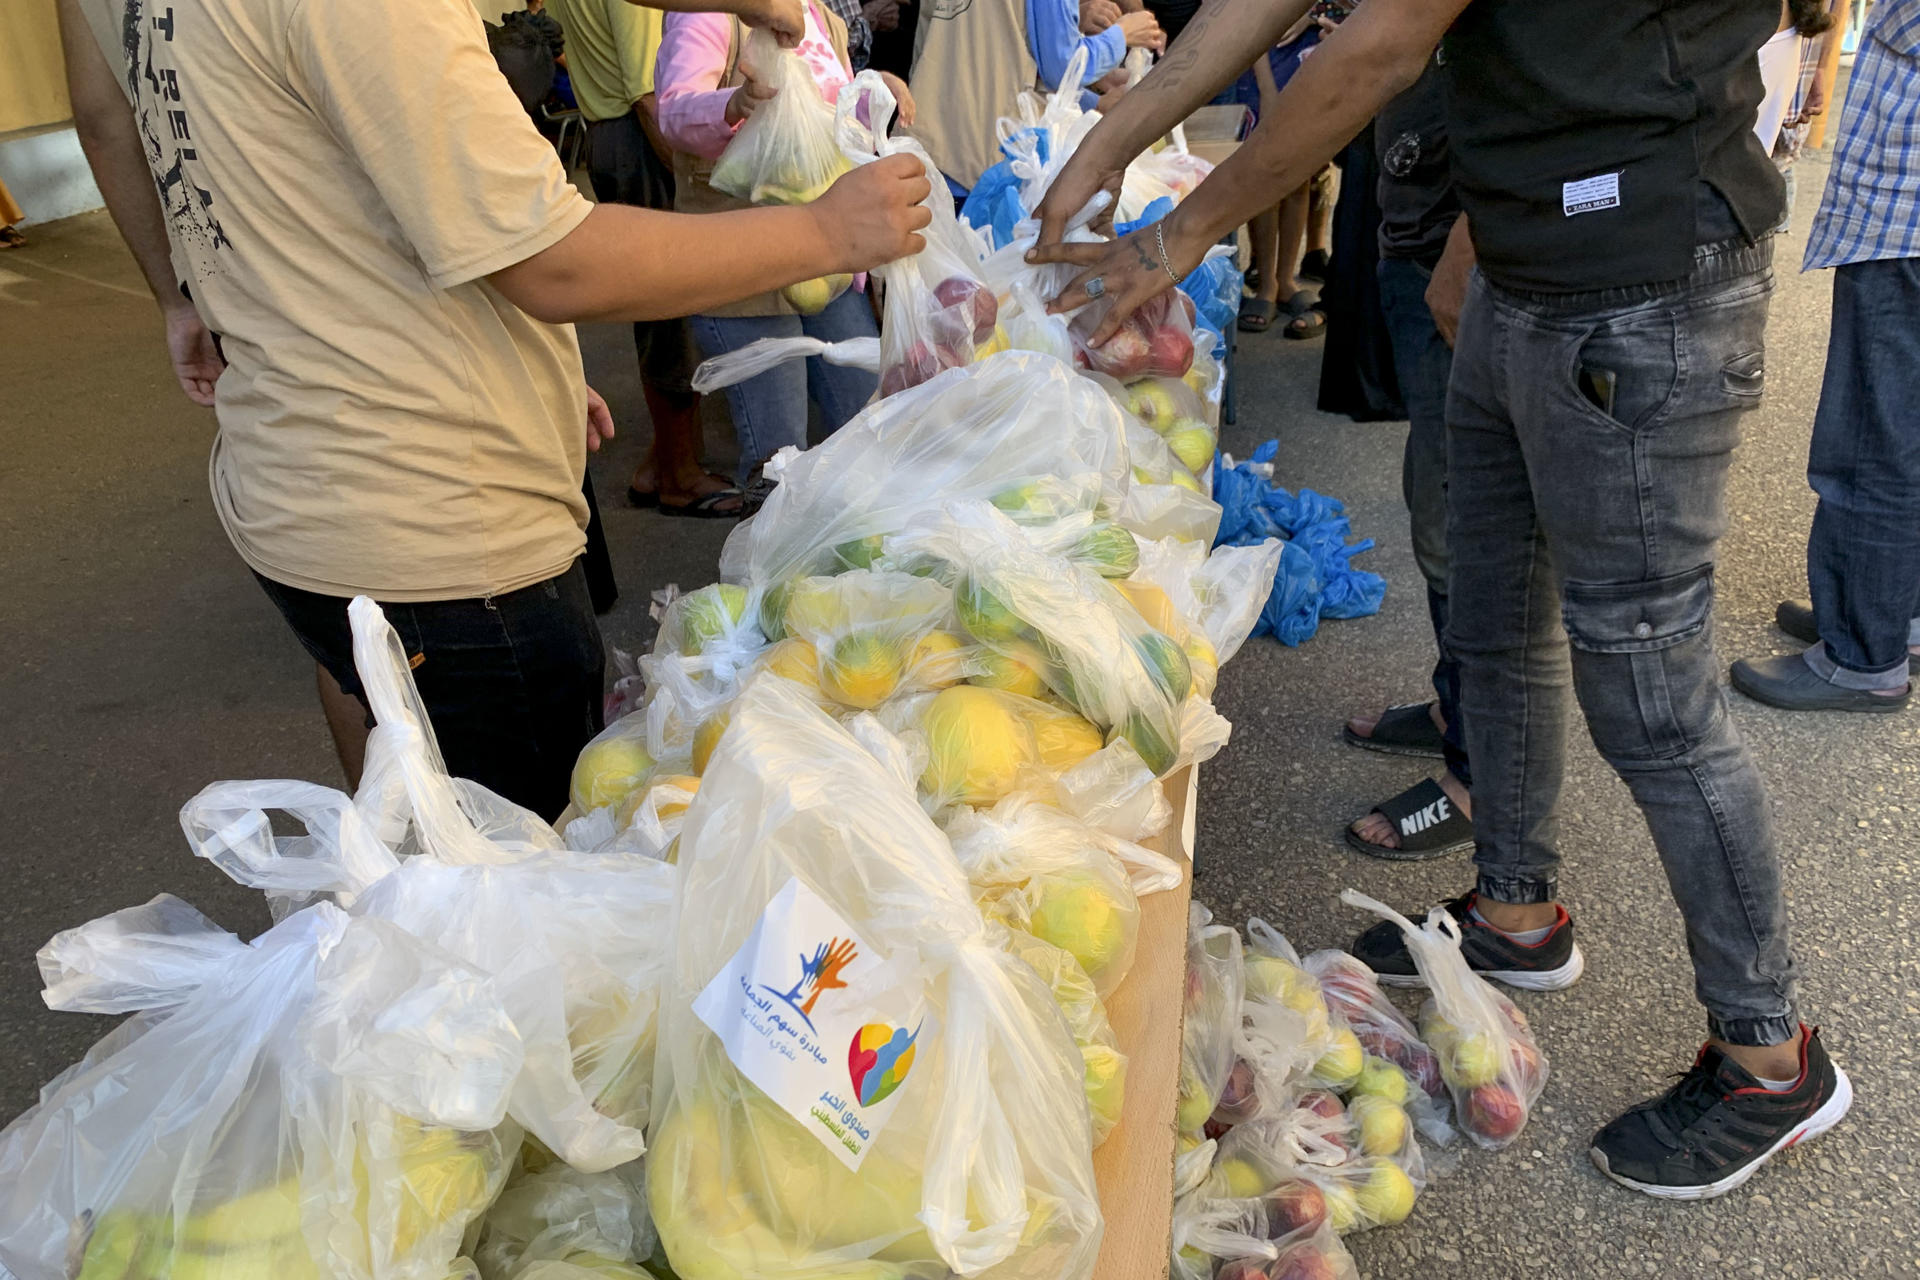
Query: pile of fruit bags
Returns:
{"type": "Point", "coordinates": [960, 301]}
{"type": "Point", "coordinates": [1305, 1094]}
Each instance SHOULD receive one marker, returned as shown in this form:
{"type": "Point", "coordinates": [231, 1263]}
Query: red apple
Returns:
{"type": "Point", "coordinates": [1125, 355]}
{"type": "Point", "coordinates": [1525, 1056]}
{"type": "Point", "coordinates": [1186, 305]}
{"type": "Point", "coordinates": [1243, 1269]}
{"type": "Point", "coordinates": [1170, 352]}
{"type": "Point", "coordinates": [1495, 1113]}
{"type": "Point", "coordinates": [1322, 1102]}
{"type": "Point", "coordinates": [983, 307]}
{"type": "Point", "coordinates": [1294, 1205]}
{"type": "Point", "coordinates": [1196, 987]}
{"type": "Point", "coordinates": [1303, 1261]}
{"type": "Point", "coordinates": [1237, 1101]}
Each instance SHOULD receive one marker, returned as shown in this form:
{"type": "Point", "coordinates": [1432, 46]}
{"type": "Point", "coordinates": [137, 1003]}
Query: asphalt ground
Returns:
{"type": "Point", "coordinates": [143, 662]}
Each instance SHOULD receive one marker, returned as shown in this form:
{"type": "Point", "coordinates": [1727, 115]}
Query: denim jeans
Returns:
{"type": "Point", "coordinates": [1863, 560]}
{"type": "Point", "coordinates": [1611, 521]}
{"type": "Point", "coordinates": [1422, 360]}
{"type": "Point", "coordinates": [770, 411]}
{"type": "Point", "coordinates": [512, 683]}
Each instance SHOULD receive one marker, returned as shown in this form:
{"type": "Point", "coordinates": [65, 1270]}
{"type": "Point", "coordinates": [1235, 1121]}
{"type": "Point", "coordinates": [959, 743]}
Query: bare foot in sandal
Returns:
{"type": "Point", "coordinates": [1411, 729]}
{"type": "Point", "coordinates": [1382, 832]}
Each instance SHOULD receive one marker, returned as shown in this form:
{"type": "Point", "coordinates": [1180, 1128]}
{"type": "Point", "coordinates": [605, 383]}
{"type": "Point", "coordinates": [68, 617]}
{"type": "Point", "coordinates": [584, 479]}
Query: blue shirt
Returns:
{"type": "Point", "coordinates": [1871, 207]}
{"type": "Point", "coordinates": [1053, 36]}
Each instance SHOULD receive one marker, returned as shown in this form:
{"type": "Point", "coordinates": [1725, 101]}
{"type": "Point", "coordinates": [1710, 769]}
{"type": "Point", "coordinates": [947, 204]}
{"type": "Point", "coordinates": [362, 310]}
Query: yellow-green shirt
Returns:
{"type": "Point", "coordinates": [610, 49]}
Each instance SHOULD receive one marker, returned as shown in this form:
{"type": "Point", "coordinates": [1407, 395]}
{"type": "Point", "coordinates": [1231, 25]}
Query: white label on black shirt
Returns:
{"type": "Point", "coordinates": [1589, 194]}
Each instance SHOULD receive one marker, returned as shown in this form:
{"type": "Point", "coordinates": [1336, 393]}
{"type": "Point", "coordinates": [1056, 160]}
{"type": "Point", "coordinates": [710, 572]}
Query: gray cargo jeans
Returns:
{"type": "Point", "coordinates": [1609, 521]}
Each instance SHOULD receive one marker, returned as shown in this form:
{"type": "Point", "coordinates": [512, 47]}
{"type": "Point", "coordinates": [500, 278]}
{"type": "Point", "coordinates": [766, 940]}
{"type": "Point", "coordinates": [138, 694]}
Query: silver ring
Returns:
{"type": "Point", "coordinates": [1095, 287]}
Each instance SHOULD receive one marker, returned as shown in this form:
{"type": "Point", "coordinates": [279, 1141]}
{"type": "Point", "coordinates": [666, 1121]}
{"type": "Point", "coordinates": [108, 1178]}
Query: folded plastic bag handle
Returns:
{"type": "Point", "coordinates": [152, 956]}
{"type": "Point", "coordinates": [763, 354]}
{"type": "Point", "coordinates": [227, 824]}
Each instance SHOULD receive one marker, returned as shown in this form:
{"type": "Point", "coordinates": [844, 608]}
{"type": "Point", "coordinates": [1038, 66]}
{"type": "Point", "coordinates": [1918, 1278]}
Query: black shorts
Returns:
{"type": "Point", "coordinates": [512, 683]}
{"type": "Point", "coordinates": [623, 169]}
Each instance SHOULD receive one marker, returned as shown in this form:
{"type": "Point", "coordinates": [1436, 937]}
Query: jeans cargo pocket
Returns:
{"type": "Point", "coordinates": [1643, 666]}
{"type": "Point", "coordinates": [1638, 617]}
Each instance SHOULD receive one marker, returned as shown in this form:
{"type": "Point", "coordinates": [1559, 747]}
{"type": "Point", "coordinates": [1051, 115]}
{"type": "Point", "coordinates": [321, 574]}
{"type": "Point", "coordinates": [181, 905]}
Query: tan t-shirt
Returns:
{"type": "Point", "coordinates": [339, 176]}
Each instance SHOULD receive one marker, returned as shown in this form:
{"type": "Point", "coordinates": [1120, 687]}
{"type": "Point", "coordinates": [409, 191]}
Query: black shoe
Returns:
{"type": "Point", "coordinates": [1717, 1126]}
{"type": "Point", "coordinates": [1313, 266]}
{"type": "Point", "coordinates": [1551, 964]}
{"type": "Point", "coordinates": [1795, 617]}
{"type": "Point", "coordinates": [1787, 682]}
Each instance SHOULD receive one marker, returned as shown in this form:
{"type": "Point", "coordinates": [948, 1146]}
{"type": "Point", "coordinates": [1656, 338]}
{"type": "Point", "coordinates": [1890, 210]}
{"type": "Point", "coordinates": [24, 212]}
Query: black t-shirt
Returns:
{"type": "Point", "coordinates": [1418, 205]}
{"type": "Point", "coordinates": [1582, 132]}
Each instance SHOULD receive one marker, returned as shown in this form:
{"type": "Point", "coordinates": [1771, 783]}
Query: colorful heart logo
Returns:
{"type": "Point", "coordinates": [878, 1059]}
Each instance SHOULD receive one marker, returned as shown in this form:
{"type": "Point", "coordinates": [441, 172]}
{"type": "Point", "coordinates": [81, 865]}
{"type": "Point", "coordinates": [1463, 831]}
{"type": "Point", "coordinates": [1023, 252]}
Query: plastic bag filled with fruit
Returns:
{"type": "Point", "coordinates": [1214, 984]}
{"type": "Point", "coordinates": [1392, 1045]}
{"type": "Point", "coordinates": [1011, 420]}
{"type": "Point", "coordinates": [1308, 1162]}
{"type": "Point", "coordinates": [556, 1223]}
{"type": "Point", "coordinates": [573, 942]}
{"type": "Point", "coordinates": [1089, 645]}
{"type": "Point", "coordinates": [1217, 593]}
{"type": "Point", "coordinates": [1036, 869]}
{"type": "Point", "coordinates": [786, 151]}
{"type": "Point", "coordinates": [1487, 1054]}
{"type": "Point", "coordinates": [1173, 411]}
{"type": "Point", "coordinates": [957, 1137]}
{"type": "Point", "coordinates": [1273, 1238]}
{"type": "Point", "coordinates": [320, 1102]}
{"type": "Point", "coordinates": [1105, 1077]}
{"type": "Point", "coordinates": [871, 634]}
{"type": "Point", "coordinates": [937, 315]}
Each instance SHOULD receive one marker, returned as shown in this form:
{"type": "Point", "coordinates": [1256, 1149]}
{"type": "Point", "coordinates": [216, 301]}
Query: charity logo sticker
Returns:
{"type": "Point", "coordinates": [825, 1023]}
{"type": "Point", "coordinates": [878, 1061]}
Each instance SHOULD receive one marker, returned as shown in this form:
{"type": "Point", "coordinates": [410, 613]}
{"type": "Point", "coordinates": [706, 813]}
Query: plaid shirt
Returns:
{"type": "Point", "coordinates": [1871, 209]}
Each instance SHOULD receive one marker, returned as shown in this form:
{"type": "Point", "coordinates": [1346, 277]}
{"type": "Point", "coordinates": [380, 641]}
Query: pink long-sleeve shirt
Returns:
{"type": "Point", "coordinates": [691, 61]}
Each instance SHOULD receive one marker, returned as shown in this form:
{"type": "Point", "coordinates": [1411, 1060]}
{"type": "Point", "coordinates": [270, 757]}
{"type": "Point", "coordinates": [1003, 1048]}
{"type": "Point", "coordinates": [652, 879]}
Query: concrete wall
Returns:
{"type": "Point", "coordinates": [40, 159]}
{"type": "Point", "coordinates": [46, 172]}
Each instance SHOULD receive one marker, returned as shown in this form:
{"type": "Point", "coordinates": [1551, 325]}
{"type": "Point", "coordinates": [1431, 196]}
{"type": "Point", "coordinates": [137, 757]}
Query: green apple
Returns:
{"type": "Point", "coordinates": [1193, 446]}
{"type": "Point", "coordinates": [1382, 1123]}
{"type": "Point", "coordinates": [1387, 1195]}
{"type": "Point", "coordinates": [1382, 1079]}
{"type": "Point", "coordinates": [1243, 1179]}
{"type": "Point", "coordinates": [609, 770]}
{"type": "Point", "coordinates": [1341, 1064]}
{"type": "Point", "coordinates": [1084, 916]}
{"type": "Point", "coordinates": [713, 611]}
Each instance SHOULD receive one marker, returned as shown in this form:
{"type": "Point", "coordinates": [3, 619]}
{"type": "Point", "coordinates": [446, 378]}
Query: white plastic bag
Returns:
{"type": "Point", "coordinates": [979, 1163]}
{"type": "Point", "coordinates": [319, 1103]}
{"type": "Point", "coordinates": [557, 1223]}
{"type": "Point", "coordinates": [573, 942]}
{"type": "Point", "coordinates": [786, 151]}
{"type": "Point", "coordinates": [1009, 420]}
{"type": "Point", "coordinates": [1207, 1034]}
{"type": "Point", "coordinates": [1486, 1051]}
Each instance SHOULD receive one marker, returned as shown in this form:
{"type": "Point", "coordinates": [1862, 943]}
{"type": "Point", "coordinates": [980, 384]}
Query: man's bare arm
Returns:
{"type": "Point", "coordinates": [111, 140]}
{"type": "Point", "coordinates": [1356, 70]}
{"type": "Point", "coordinates": [625, 263]}
{"type": "Point", "coordinates": [108, 135]}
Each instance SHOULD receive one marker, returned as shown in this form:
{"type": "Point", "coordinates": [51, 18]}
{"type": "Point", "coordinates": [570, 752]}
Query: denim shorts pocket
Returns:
{"type": "Point", "coordinates": [1638, 617]}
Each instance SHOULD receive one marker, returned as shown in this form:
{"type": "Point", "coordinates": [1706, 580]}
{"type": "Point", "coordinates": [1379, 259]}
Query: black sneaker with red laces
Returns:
{"type": "Point", "coordinates": [1551, 964]}
{"type": "Point", "coordinates": [1717, 1126]}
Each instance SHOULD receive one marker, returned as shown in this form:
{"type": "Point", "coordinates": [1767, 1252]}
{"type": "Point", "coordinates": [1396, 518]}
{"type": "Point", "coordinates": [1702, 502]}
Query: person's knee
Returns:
{"type": "Point", "coordinates": [1643, 664]}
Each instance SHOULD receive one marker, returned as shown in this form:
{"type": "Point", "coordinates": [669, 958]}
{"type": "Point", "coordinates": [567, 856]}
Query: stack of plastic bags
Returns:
{"type": "Point", "coordinates": [1315, 578]}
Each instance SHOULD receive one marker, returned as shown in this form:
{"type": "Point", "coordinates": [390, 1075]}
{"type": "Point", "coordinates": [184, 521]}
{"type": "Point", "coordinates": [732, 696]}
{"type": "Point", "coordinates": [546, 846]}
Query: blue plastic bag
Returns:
{"type": "Point", "coordinates": [994, 204]}
{"type": "Point", "coordinates": [1316, 578]}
